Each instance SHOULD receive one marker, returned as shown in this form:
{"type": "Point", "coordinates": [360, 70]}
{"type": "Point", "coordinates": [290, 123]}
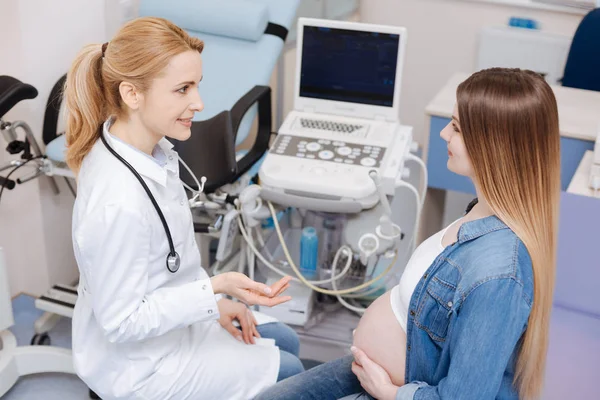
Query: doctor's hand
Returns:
{"type": "Point", "coordinates": [231, 311]}
{"type": "Point", "coordinates": [250, 292]}
{"type": "Point", "coordinates": [373, 378]}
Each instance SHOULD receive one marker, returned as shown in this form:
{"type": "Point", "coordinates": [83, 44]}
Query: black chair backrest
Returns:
{"type": "Point", "coordinates": [582, 70]}
{"type": "Point", "coordinates": [210, 151]}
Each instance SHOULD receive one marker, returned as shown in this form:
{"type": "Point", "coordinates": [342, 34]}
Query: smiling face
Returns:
{"type": "Point", "coordinates": [459, 161]}
{"type": "Point", "coordinates": [167, 108]}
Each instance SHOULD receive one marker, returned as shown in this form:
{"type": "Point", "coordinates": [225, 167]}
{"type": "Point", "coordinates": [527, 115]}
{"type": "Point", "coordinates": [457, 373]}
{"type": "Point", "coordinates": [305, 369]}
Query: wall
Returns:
{"type": "Point", "coordinates": [39, 39]}
{"type": "Point", "coordinates": [442, 40]}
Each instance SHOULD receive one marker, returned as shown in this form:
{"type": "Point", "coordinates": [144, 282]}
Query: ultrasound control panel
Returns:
{"type": "Point", "coordinates": [334, 151]}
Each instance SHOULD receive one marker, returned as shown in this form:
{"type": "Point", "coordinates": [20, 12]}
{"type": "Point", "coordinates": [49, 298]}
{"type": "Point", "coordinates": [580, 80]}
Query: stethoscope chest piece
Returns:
{"type": "Point", "coordinates": [173, 262]}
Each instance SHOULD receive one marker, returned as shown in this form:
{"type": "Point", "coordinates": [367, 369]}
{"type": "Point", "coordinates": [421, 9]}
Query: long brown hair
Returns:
{"type": "Point", "coordinates": [137, 54]}
{"type": "Point", "coordinates": [509, 123]}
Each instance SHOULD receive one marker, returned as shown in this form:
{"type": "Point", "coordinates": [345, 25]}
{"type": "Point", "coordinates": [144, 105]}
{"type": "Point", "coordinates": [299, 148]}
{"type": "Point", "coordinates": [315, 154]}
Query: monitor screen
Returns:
{"type": "Point", "coordinates": [349, 66]}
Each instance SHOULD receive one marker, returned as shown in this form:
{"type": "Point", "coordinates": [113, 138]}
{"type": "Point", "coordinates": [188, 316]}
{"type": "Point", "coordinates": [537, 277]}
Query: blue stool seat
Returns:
{"type": "Point", "coordinates": [56, 149]}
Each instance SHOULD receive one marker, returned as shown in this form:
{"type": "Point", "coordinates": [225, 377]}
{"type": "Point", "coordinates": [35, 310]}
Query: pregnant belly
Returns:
{"type": "Point", "coordinates": [382, 338]}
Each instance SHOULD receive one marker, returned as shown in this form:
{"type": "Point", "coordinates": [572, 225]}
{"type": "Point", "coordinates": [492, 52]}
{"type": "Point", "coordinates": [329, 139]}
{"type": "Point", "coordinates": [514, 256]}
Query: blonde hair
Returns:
{"type": "Point", "coordinates": [137, 54]}
{"type": "Point", "coordinates": [509, 122]}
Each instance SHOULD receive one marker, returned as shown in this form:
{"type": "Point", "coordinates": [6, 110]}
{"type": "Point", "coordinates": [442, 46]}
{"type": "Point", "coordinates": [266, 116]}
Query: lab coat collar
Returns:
{"type": "Point", "coordinates": [142, 163]}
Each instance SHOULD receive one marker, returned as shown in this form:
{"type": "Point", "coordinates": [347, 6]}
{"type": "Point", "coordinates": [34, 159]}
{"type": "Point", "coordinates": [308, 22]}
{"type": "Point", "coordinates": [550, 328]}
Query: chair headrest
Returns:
{"type": "Point", "coordinates": [240, 19]}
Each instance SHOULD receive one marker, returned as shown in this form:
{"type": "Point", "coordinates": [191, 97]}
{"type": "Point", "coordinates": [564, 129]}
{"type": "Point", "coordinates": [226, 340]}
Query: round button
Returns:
{"type": "Point", "coordinates": [344, 151]}
{"type": "Point", "coordinates": [367, 162]}
{"type": "Point", "coordinates": [326, 155]}
{"type": "Point", "coordinates": [313, 146]}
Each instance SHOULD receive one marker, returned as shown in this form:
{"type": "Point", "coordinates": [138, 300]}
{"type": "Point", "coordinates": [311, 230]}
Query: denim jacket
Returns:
{"type": "Point", "coordinates": [467, 316]}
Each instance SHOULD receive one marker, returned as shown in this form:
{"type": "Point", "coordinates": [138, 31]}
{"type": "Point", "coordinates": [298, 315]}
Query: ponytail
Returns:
{"type": "Point", "coordinates": [84, 96]}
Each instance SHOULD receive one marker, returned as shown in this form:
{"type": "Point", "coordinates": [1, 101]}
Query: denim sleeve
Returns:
{"type": "Point", "coordinates": [407, 392]}
{"type": "Point", "coordinates": [487, 329]}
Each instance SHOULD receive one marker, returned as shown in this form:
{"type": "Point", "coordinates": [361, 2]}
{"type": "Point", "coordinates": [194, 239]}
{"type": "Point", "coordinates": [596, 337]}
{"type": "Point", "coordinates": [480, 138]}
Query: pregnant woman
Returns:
{"type": "Point", "coordinates": [469, 318]}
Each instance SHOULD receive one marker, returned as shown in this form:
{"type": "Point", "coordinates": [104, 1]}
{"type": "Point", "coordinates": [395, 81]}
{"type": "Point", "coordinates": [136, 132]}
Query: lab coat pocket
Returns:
{"type": "Point", "coordinates": [435, 310]}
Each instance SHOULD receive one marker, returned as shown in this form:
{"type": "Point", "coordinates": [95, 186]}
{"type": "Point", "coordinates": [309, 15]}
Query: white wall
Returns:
{"type": "Point", "coordinates": [442, 40]}
{"type": "Point", "coordinates": [38, 41]}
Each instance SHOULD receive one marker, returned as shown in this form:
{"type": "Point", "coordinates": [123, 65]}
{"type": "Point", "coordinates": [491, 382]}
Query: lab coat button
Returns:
{"type": "Point", "coordinates": [210, 311]}
{"type": "Point", "coordinates": [203, 287]}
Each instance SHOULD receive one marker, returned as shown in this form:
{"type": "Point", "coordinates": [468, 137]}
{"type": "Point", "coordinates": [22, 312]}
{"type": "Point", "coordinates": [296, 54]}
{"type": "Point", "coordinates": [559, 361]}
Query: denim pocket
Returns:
{"type": "Point", "coordinates": [434, 312]}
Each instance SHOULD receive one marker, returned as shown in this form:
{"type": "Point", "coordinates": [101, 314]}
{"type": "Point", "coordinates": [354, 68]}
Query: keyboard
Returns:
{"type": "Point", "coordinates": [355, 130]}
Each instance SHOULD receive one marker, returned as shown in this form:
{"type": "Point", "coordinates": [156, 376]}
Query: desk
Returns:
{"type": "Point", "coordinates": [579, 183]}
{"type": "Point", "coordinates": [579, 118]}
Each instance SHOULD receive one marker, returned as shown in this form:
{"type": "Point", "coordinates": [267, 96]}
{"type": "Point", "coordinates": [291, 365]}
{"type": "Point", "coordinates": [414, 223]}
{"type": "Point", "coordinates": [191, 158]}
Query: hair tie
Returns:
{"type": "Point", "coordinates": [104, 46]}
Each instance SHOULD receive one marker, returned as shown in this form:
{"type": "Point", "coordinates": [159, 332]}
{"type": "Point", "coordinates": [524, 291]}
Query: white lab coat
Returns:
{"type": "Point", "coordinates": [140, 331]}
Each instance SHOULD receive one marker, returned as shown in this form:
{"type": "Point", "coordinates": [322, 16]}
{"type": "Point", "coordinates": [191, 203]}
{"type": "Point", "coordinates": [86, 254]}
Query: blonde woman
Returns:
{"type": "Point", "coordinates": [146, 325]}
{"type": "Point", "coordinates": [469, 317]}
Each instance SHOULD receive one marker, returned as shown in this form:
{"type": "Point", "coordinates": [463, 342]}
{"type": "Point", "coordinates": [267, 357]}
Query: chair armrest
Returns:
{"type": "Point", "coordinates": [52, 113]}
{"type": "Point", "coordinates": [262, 94]}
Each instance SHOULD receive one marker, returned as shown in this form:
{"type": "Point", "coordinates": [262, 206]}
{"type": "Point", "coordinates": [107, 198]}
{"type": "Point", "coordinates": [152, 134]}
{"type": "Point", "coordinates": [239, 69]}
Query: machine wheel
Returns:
{"type": "Point", "coordinates": [93, 395]}
{"type": "Point", "coordinates": [40, 339]}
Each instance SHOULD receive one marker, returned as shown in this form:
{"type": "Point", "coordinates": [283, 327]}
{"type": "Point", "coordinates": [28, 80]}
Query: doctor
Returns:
{"type": "Point", "coordinates": [148, 323]}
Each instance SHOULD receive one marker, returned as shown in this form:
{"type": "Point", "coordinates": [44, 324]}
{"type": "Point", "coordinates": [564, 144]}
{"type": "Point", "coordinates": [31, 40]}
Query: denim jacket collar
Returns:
{"type": "Point", "coordinates": [479, 227]}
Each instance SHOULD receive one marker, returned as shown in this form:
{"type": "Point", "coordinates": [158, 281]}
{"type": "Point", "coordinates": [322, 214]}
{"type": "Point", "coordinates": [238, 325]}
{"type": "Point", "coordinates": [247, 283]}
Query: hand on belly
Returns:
{"type": "Point", "coordinates": [381, 337]}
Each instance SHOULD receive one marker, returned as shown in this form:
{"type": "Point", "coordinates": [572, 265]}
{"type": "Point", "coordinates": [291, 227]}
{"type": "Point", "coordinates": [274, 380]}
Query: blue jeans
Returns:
{"type": "Point", "coordinates": [331, 381]}
{"type": "Point", "coordinates": [289, 347]}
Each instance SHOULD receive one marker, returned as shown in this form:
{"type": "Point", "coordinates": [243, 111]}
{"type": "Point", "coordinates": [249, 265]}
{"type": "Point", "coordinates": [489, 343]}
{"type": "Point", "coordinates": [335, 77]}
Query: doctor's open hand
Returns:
{"type": "Point", "coordinates": [250, 292]}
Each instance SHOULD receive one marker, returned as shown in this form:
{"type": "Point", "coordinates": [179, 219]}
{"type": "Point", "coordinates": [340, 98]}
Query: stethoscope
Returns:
{"type": "Point", "coordinates": [173, 259]}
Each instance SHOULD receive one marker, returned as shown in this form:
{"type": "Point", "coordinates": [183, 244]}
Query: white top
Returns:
{"type": "Point", "coordinates": [140, 331]}
{"type": "Point", "coordinates": [577, 109]}
{"type": "Point", "coordinates": [419, 262]}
